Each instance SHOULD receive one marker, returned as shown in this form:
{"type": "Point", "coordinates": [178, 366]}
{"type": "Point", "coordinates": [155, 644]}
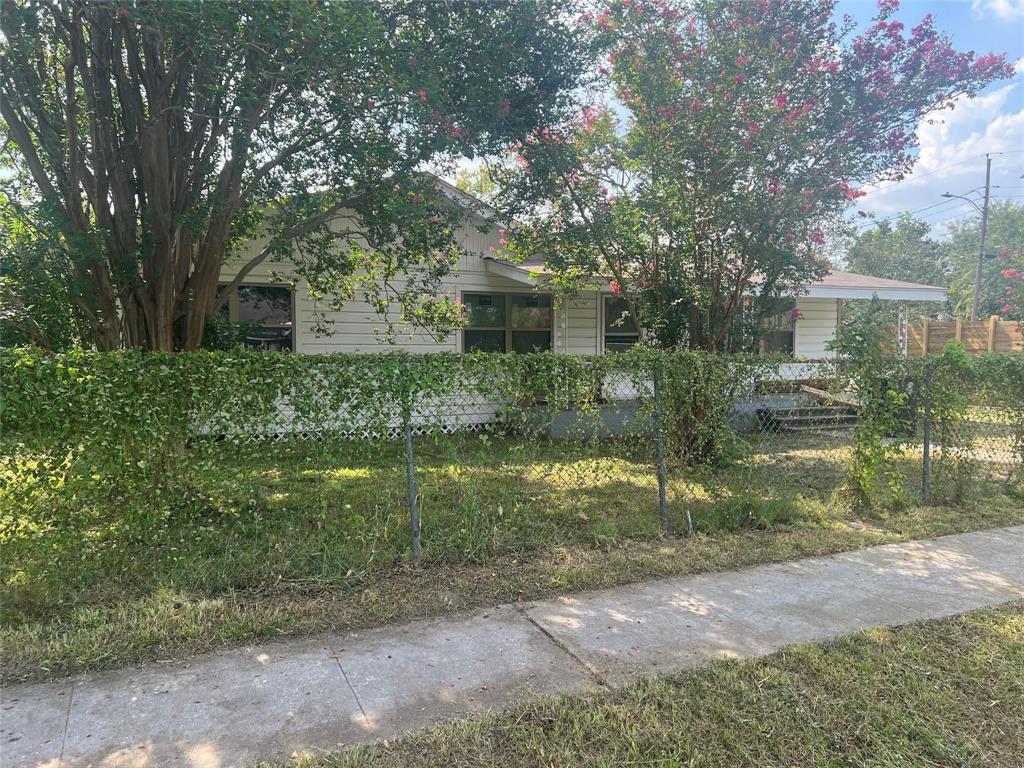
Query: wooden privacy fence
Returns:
{"type": "Point", "coordinates": [993, 335]}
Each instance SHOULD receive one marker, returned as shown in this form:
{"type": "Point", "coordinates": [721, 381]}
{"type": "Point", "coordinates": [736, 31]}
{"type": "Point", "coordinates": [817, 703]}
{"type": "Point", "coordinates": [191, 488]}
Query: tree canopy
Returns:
{"type": "Point", "coordinates": [1004, 246]}
{"type": "Point", "coordinates": [155, 138]}
{"type": "Point", "coordinates": [740, 129]}
{"type": "Point", "coordinates": [903, 249]}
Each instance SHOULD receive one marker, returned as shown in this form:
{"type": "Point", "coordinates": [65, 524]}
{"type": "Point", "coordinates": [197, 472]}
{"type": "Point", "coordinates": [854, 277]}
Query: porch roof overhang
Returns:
{"type": "Point", "coordinates": [849, 285]}
{"type": "Point", "coordinates": [835, 285]}
{"type": "Point", "coordinates": [527, 273]}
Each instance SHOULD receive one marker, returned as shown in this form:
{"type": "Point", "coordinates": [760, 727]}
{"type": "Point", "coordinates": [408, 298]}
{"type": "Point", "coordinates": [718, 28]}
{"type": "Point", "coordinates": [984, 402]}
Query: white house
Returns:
{"type": "Point", "coordinates": [510, 311]}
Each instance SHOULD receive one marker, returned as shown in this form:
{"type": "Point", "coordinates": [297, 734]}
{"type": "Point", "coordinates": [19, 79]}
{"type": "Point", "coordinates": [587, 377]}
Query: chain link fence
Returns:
{"type": "Point", "coordinates": [462, 457]}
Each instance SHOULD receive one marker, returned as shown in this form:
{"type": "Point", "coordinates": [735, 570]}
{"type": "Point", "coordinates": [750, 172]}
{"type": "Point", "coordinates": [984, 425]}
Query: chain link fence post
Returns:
{"type": "Point", "coordinates": [659, 440]}
{"type": "Point", "coordinates": [410, 463]}
{"type": "Point", "coordinates": [926, 435]}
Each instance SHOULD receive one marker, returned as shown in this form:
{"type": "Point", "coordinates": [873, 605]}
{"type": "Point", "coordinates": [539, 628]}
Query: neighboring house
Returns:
{"type": "Point", "coordinates": [509, 310]}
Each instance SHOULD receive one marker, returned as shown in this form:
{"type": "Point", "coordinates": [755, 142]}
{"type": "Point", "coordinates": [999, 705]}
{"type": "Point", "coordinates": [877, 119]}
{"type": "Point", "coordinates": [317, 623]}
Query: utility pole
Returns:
{"type": "Point", "coordinates": [976, 301]}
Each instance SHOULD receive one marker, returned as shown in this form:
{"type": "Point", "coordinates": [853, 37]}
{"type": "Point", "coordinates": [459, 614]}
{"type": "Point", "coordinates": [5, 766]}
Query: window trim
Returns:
{"type": "Point", "coordinates": [601, 329]}
{"type": "Point", "coordinates": [507, 328]}
{"type": "Point", "coordinates": [232, 305]}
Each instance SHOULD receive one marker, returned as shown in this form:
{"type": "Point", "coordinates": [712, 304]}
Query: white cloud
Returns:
{"type": "Point", "coordinates": [951, 158]}
{"type": "Point", "coordinates": [1005, 10]}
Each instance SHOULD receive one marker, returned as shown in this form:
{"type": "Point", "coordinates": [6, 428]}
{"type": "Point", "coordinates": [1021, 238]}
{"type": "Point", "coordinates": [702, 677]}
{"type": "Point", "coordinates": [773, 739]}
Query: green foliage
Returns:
{"type": "Point", "coordinates": [163, 139]}
{"type": "Point", "coordinates": [746, 128]}
{"type": "Point", "coordinates": [884, 417]}
{"type": "Point", "coordinates": [966, 400]}
{"type": "Point", "coordinates": [477, 182]}
{"type": "Point", "coordinates": [746, 511]}
{"type": "Point", "coordinates": [900, 250]}
{"type": "Point", "coordinates": [963, 391]}
{"type": "Point", "coordinates": [36, 305]}
{"type": "Point", "coordinates": [1005, 231]}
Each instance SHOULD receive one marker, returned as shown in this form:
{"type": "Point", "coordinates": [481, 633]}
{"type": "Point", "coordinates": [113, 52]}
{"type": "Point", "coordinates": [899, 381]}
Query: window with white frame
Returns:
{"type": "Point", "coordinates": [264, 316]}
{"type": "Point", "coordinates": [620, 330]}
{"type": "Point", "coordinates": [507, 322]}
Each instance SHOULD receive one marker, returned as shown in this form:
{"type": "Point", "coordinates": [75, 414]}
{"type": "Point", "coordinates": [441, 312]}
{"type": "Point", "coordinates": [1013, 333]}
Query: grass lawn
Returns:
{"type": "Point", "coordinates": [939, 693]}
{"type": "Point", "coordinates": [283, 538]}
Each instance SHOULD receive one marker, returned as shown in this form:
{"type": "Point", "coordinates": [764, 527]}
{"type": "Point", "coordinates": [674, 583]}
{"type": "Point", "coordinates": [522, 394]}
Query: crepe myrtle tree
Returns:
{"type": "Point", "coordinates": [1011, 289]}
{"type": "Point", "coordinates": [163, 138]}
{"type": "Point", "coordinates": [742, 127]}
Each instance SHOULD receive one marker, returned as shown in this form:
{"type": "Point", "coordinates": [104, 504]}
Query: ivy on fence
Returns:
{"type": "Point", "coordinates": [136, 430]}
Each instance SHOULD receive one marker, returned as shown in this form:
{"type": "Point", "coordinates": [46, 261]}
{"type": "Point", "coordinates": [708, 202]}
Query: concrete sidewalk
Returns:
{"type": "Point", "coordinates": [267, 702]}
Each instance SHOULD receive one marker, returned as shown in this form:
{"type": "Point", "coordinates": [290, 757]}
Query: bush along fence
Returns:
{"type": "Point", "coordinates": [697, 441]}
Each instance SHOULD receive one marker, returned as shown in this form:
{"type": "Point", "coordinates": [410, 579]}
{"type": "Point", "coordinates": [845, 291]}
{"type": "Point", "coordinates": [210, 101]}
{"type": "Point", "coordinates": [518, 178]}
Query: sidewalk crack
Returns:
{"type": "Point", "coordinates": [593, 672]}
{"type": "Point", "coordinates": [67, 722]}
{"type": "Point", "coordinates": [355, 695]}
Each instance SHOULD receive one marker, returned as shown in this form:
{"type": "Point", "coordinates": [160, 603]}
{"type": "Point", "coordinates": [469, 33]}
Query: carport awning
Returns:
{"type": "Point", "coordinates": [835, 285]}
{"type": "Point", "coordinates": [849, 285]}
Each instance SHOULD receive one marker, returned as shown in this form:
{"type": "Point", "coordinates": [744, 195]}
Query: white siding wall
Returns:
{"type": "Point", "coordinates": [582, 314]}
{"type": "Point", "coordinates": [815, 329]}
{"type": "Point", "coordinates": [355, 325]}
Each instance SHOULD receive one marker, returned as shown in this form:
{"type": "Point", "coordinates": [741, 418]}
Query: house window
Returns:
{"type": "Point", "coordinates": [778, 331]}
{"type": "Point", "coordinates": [620, 331]}
{"type": "Point", "coordinates": [507, 322]}
{"type": "Point", "coordinates": [263, 315]}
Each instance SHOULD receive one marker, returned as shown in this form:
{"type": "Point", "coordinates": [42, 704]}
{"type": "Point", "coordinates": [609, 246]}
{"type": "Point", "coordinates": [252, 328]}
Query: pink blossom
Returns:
{"type": "Point", "coordinates": [753, 128]}
{"type": "Point", "coordinates": [422, 93]}
{"type": "Point", "coordinates": [817, 237]}
{"type": "Point", "coordinates": [434, 219]}
{"type": "Point", "coordinates": [504, 106]}
{"type": "Point", "coordinates": [417, 199]}
{"type": "Point", "coordinates": [781, 100]}
{"type": "Point", "coordinates": [795, 314]}
{"type": "Point", "coordinates": [615, 286]}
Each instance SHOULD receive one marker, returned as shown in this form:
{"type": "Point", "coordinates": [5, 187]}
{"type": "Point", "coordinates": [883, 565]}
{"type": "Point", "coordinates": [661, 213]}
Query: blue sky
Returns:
{"type": "Point", "coordinates": [951, 155]}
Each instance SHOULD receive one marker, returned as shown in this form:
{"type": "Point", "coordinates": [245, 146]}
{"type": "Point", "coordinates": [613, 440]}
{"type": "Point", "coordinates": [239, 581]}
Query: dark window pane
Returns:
{"type": "Point", "coordinates": [779, 341]}
{"type": "Point", "coordinates": [531, 341]}
{"type": "Point", "coordinates": [531, 311]}
{"type": "Point", "coordinates": [483, 341]}
{"type": "Point", "coordinates": [267, 305]}
{"type": "Point", "coordinates": [485, 310]}
{"type": "Point", "coordinates": [617, 318]}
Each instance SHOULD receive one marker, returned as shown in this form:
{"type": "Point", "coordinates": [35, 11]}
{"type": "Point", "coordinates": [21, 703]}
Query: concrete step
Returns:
{"type": "Point", "coordinates": [806, 418]}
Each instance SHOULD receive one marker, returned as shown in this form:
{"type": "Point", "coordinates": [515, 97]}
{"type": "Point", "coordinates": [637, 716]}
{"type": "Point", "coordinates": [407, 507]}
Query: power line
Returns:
{"type": "Point", "coordinates": [873, 222]}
